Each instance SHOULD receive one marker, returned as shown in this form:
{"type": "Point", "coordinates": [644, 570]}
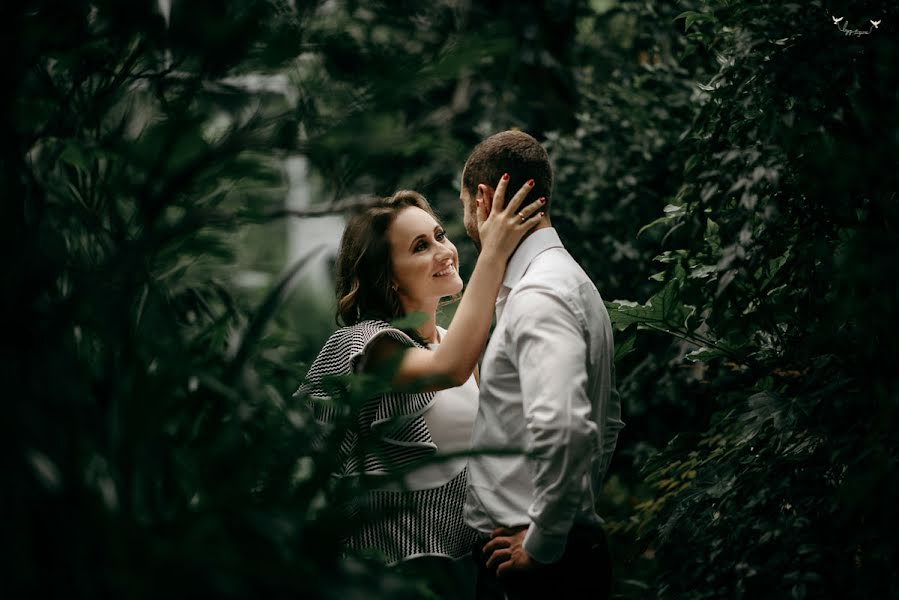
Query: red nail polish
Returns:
{"type": "Point", "coordinates": [542, 201]}
{"type": "Point", "coordinates": [505, 177]}
{"type": "Point", "coordinates": [530, 182]}
{"type": "Point", "coordinates": [541, 214]}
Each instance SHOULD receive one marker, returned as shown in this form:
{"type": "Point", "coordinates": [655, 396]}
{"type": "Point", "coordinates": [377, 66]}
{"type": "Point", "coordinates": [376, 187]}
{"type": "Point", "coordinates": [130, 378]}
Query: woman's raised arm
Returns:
{"type": "Point", "coordinates": [452, 363]}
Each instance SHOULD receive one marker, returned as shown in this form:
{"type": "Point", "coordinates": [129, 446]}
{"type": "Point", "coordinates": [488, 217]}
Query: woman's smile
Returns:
{"type": "Point", "coordinates": [449, 270]}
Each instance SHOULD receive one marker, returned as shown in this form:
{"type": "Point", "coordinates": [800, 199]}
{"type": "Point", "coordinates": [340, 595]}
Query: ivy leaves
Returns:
{"type": "Point", "coordinates": [768, 201]}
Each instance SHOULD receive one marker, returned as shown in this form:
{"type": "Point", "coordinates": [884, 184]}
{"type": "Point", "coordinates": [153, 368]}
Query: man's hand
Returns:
{"type": "Point", "coordinates": [505, 553]}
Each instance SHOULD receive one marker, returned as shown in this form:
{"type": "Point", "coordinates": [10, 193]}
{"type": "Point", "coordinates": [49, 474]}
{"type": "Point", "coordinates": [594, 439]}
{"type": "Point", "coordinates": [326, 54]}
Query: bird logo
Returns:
{"type": "Point", "coordinates": [843, 26]}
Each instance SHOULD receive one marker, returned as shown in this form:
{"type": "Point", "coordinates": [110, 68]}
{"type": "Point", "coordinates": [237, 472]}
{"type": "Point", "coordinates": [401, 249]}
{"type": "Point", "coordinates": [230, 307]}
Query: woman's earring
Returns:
{"type": "Point", "coordinates": [394, 287]}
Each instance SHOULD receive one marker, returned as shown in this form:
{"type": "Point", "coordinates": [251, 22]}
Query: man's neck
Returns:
{"type": "Point", "coordinates": [546, 224]}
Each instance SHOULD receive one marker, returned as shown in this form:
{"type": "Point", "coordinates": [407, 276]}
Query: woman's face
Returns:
{"type": "Point", "coordinates": [425, 263]}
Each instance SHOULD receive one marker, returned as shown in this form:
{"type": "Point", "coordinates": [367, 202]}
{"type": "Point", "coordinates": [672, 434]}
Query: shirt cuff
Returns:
{"type": "Point", "coordinates": [542, 546]}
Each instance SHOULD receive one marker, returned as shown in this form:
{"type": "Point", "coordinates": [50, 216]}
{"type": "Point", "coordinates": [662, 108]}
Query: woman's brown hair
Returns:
{"type": "Point", "coordinates": [364, 282]}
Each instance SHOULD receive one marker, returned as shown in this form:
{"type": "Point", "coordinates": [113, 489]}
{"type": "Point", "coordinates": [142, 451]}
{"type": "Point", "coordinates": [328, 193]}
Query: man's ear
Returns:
{"type": "Point", "coordinates": [485, 195]}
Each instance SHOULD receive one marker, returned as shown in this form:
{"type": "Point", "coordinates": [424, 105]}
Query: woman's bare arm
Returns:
{"type": "Point", "coordinates": [452, 363]}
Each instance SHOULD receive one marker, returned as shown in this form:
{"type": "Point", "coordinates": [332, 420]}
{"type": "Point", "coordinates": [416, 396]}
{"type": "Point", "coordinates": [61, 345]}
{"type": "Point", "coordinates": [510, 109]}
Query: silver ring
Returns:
{"type": "Point", "coordinates": [523, 218]}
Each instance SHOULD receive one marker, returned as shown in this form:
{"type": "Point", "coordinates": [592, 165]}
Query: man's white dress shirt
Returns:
{"type": "Point", "coordinates": [547, 387]}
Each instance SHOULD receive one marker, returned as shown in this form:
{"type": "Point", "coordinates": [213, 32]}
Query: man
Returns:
{"type": "Point", "coordinates": [547, 387]}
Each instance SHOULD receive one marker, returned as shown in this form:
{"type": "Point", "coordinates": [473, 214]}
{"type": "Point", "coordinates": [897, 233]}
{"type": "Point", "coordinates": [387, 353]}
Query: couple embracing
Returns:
{"type": "Point", "coordinates": [514, 524]}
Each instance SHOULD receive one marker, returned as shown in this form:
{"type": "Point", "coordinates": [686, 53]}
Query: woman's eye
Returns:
{"type": "Point", "coordinates": [441, 235]}
{"type": "Point", "coordinates": [420, 246]}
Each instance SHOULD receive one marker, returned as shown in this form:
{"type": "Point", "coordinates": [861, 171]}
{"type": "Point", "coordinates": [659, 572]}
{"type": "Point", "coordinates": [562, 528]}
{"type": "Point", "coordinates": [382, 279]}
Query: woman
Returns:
{"type": "Point", "coordinates": [395, 260]}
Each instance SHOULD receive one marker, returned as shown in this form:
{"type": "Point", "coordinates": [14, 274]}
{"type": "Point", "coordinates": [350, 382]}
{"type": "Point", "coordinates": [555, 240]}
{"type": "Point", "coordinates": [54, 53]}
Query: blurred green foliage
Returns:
{"type": "Point", "coordinates": [726, 167]}
{"type": "Point", "coordinates": [779, 241]}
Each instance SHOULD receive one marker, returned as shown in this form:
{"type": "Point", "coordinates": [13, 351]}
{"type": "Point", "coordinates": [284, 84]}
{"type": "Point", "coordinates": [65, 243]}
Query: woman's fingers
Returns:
{"type": "Point", "coordinates": [519, 196]}
{"type": "Point", "coordinates": [528, 224]}
{"type": "Point", "coordinates": [499, 194]}
{"type": "Point", "coordinates": [501, 227]}
{"type": "Point", "coordinates": [525, 214]}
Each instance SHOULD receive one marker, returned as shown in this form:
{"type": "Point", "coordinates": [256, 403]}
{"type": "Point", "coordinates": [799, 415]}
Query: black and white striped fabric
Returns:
{"type": "Point", "coordinates": [388, 434]}
{"type": "Point", "coordinates": [403, 525]}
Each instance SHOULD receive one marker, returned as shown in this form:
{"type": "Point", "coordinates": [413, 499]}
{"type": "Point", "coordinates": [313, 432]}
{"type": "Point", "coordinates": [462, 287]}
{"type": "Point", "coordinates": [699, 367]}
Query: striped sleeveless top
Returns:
{"type": "Point", "coordinates": [387, 434]}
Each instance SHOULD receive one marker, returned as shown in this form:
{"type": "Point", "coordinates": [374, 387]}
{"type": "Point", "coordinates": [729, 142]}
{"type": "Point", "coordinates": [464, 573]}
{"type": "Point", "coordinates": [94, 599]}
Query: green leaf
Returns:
{"type": "Point", "coordinates": [413, 320]}
{"type": "Point", "coordinates": [774, 266]}
{"type": "Point", "coordinates": [670, 256]}
{"type": "Point", "coordinates": [690, 17]}
{"type": "Point", "coordinates": [75, 155]}
{"type": "Point", "coordinates": [702, 271]}
{"type": "Point", "coordinates": [672, 212]}
{"type": "Point", "coordinates": [625, 343]}
{"type": "Point", "coordinates": [704, 355]}
{"type": "Point", "coordinates": [663, 311]}
{"type": "Point", "coordinates": [691, 163]}
{"type": "Point", "coordinates": [712, 236]}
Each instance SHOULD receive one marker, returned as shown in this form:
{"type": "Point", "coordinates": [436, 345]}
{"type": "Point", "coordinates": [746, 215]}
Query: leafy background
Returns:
{"type": "Point", "coordinates": [726, 172]}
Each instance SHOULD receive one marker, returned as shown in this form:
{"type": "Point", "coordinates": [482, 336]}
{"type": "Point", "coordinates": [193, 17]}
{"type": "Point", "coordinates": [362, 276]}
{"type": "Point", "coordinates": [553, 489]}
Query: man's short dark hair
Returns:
{"type": "Point", "coordinates": [515, 153]}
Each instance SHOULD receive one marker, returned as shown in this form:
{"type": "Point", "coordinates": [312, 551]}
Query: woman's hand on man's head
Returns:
{"type": "Point", "coordinates": [501, 226]}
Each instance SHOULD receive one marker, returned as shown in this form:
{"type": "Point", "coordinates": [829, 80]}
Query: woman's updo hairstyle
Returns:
{"type": "Point", "coordinates": [364, 282]}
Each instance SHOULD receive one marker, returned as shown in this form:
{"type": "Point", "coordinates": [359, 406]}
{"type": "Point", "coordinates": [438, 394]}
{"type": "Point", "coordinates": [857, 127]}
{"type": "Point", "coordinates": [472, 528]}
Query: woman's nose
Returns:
{"type": "Point", "coordinates": [444, 254]}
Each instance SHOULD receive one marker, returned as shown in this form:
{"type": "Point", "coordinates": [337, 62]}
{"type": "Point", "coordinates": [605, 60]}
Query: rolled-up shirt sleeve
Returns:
{"type": "Point", "coordinates": [547, 339]}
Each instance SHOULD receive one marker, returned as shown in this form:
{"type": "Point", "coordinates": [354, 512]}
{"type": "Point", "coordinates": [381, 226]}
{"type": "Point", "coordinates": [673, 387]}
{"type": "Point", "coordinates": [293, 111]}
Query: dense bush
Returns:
{"type": "Point", "coordinates": [778, 256]}
{"type": "Point", "coordinates": [728, 166]}
{"type": "Point", "coordinates": [153, 445]}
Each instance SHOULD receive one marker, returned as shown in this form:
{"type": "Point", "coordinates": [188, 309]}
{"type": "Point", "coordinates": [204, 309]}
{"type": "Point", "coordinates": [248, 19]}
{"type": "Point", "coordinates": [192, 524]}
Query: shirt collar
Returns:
{"type": "Point", "coordinates": [536, 243]}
